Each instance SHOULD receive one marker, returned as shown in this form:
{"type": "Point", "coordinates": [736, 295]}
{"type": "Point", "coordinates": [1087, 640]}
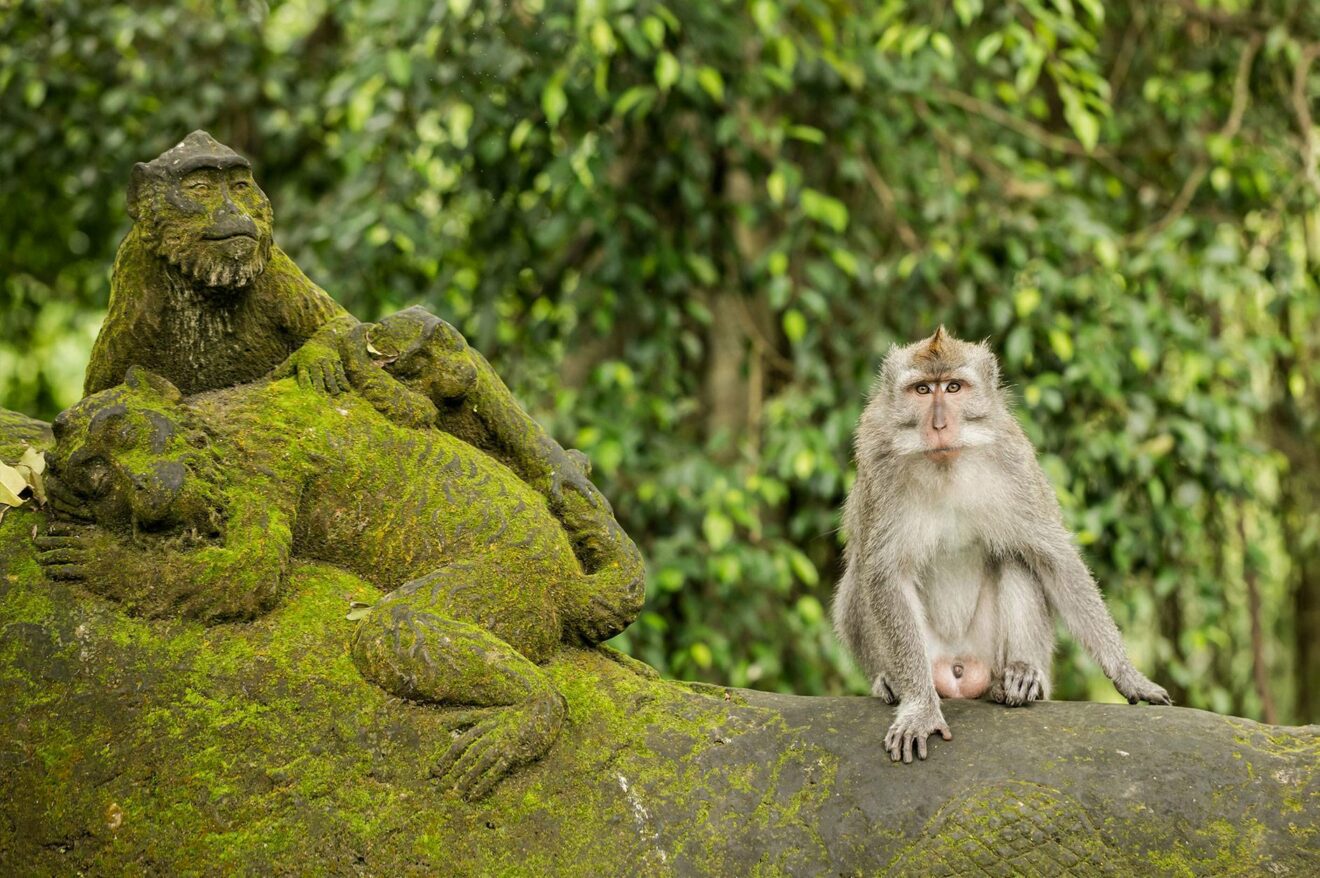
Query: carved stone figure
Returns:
{"type": "Point", "coordinates": [200, 292]}
{"type": "Point", "coordinates": [196, 508]}
{"type": "Point", "coordinates": [202, 296]}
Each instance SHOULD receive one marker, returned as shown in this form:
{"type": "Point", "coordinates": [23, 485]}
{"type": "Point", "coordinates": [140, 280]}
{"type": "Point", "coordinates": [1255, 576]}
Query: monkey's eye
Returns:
{"type": "Point", "coordinates": [953, 387]}
{"type": "Point", "coordinates": [923, 389]}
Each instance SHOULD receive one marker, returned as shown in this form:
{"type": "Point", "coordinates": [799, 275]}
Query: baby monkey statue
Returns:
{"type": "Point", "coordinates": [957, 554]}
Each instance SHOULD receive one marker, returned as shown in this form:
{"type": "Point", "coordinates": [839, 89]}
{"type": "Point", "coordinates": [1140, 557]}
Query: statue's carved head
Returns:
{"type": "Point", "coordinates": [199, 209]}
{"type": "Point", "coordinates": [425, 352]}
{"type": "Point", "coordinates": [130, 457]}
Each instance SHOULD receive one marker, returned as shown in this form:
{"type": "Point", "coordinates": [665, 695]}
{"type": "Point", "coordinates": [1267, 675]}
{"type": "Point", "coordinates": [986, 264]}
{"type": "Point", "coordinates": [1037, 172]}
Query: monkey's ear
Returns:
{"type": "Point", "coordinates": [138, 184]}
{"type": "Point", "coordinates": [141, 380]}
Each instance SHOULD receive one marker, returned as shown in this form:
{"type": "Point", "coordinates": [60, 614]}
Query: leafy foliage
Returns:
{"type": "Point", "coordinates": [686, 232]}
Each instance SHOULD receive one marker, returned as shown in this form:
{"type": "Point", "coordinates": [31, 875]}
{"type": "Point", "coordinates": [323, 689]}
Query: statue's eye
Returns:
{"type": "Point", "coordinates": [923, 389]}
{"type": "Point", "coordinates": [953, 387]}
{"type": "Point", "coordinates": [96, 477]}
{"type": "Point", "coordinates": [199, 186]}
{"type": "Point", "coordinates": [240, 185]}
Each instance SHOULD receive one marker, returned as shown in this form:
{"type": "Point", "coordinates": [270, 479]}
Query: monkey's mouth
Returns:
{"type": "Point", "coordinates": [948, 452]}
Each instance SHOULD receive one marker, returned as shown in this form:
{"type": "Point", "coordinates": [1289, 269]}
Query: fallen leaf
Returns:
{"type": "Point", "coordinates": [12, 485]}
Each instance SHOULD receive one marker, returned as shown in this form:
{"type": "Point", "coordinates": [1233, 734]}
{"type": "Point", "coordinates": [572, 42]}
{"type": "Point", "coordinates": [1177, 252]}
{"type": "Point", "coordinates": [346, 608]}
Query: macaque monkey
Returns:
{"type": "Point", "coordinates": [957, 554]}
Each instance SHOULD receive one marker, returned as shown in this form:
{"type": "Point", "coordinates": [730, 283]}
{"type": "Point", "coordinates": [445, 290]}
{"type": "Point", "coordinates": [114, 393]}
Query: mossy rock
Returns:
{"type": "Point", "coordinates": [168, 747]}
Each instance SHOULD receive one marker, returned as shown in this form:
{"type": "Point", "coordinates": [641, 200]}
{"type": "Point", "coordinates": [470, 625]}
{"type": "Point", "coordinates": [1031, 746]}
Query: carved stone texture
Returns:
{"type": "Point", "coordinates": [197, 508]}
{"type": "Point", "coordinates": [200, 292]}
{"type": "Point", "coordinates": [202, 296]}
{"type": "Point", "coordinates": [138, 745]}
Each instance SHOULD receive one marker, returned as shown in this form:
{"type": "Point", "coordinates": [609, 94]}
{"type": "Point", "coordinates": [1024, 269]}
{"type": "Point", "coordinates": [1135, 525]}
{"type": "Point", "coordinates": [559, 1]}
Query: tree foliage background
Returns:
{"type": "Point", "coordinates": [686, 233]}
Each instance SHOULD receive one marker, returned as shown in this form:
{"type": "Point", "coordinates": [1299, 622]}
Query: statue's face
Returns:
{"type": "Point", "coordinates": [127, 457]}
{"type": "Point", "coordinates": [214, 225]}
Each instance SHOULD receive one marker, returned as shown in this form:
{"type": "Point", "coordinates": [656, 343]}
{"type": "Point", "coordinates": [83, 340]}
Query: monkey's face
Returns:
{"type": "Point", "coordinates": [213, 225]}
{"type": "Point", "coordinates": [126, 458]}
{"type": "Point", "coordinates": [945, 395]}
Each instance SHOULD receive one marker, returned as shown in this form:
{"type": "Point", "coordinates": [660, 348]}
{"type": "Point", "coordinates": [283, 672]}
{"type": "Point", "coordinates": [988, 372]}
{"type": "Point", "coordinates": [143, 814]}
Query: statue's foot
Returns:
{"type": "Point", "coordinates": [510, 737]}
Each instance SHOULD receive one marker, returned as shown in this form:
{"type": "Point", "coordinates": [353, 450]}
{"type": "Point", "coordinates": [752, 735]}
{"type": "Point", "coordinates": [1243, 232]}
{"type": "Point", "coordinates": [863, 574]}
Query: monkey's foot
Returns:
{"type": "Point", "coordinates": [510, 737]}
{"type": "Point", "coordinates": [1134, 686]}
{"type": "Point", "coordinates": [882, 690]}
{"type": "Point", "coordinates": [1020, 684]}
{"type": "Point", "coordinates": [911, 728]}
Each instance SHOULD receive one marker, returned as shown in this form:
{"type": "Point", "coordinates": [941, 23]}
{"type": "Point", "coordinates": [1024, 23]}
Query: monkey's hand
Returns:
{"type": "Point", "coordinates": [1133, 685]}
{"type": "Point", "coordinates": [317, 366]}
{"type": "Point", "coordinates": [72, 552]}
{"type": "Point", "coordinates": [915, 722]}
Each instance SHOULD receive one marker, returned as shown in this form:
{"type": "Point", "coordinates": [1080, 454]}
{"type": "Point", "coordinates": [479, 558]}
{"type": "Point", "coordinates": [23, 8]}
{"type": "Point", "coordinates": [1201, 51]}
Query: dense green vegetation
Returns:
{"type": "Point", "coordinates": [686, 232]}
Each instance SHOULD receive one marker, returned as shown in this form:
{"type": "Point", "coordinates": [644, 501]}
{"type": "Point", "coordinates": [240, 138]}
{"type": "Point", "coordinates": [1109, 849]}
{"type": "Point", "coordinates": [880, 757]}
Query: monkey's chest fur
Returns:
{"type": "Point", "coordinates": [959, 590]}
{"type": "Point", "coordinates": [202, 342]}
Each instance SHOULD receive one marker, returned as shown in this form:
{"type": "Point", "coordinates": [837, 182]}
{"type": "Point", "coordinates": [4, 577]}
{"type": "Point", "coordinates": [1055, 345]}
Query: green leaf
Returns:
{"type": "Point", "coordinates": [806, 133]}
{"type": "Point", "coordinates": [1062, 344]}
{"type": "Point", "coordinates": [824, 209]}
{"type": "Point", "coordinates": [718, 529]}
{"type": "Point", "coordinates": [795, 325]}
{"type": "Point", "coordinates": [712, 83]}
{"type": "Point", "coordinates": [988, 46]}
{"type": "Point", "coordinates": [667, 70]}
{"type": "Point", "coordinates": [553, 100]}
{"type": "Point", "coordinates": [634, 97]}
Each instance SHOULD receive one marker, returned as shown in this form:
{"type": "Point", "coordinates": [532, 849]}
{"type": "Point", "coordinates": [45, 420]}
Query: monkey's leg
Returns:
{"type": "Point", "coordinates": [411, 651]}
{"type": "Point", "coordinates": [1021, 671]}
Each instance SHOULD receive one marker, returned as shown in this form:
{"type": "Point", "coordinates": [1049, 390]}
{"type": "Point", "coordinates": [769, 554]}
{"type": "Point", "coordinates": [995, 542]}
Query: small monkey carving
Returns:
{"type": "Point", "coordinates": [957, 554]}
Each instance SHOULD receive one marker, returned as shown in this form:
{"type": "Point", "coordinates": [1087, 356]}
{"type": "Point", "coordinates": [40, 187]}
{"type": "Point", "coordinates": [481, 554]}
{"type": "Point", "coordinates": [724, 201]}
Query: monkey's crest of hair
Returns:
{"type": "Point", "coordinates": [939, 356]}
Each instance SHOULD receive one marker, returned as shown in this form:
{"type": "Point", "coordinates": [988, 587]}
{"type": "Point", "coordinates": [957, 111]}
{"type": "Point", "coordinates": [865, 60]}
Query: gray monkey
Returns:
{"type": "Point", "coordinates": [957, 553]}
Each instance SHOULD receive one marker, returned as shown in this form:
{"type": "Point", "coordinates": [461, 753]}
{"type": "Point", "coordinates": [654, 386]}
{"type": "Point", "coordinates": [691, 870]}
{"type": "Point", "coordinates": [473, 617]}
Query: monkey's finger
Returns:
{"type": "Point", "coordinates": [493, 776]}
{"type": "Point", "coordinates": [57, 542]}
{"type": "Point", "coordinates": [456, 749]}
{"type": "Point", "coordinates": [943, 729]}
{"type": "Point", "coordinates": [62, 556]}
{"type": "Point", "coordinates": [907, 747]}
{"type": "Point", "coordinates": [921, 746]}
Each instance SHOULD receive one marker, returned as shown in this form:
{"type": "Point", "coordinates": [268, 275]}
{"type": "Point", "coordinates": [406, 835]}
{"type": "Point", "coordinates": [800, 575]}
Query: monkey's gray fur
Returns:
{"type": "Point", "coordinates": [957, 548]}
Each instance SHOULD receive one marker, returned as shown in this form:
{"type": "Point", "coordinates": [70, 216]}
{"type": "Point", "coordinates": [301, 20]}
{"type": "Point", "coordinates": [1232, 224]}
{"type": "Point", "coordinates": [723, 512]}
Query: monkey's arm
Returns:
{"type": "Point", "coordinates": [1072, 592]}
{"type": "Point", "coordinates": [891, 601]}
{"type": "Point", "coordinates": [490, 417]}
{"type": "Point", "coordinates": [239, 579]}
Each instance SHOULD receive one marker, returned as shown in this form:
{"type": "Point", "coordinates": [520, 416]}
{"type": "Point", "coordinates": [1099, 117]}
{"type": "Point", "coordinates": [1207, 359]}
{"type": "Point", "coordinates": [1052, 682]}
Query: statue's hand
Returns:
{"type": "Point", "coordinates": [75, 552]}
{"type": "Point", "coordinates": [317, 366]}
{"type": "Point", "coordinates": [507, 738]}
{"type": "Point", "coordinates": [389, 396]}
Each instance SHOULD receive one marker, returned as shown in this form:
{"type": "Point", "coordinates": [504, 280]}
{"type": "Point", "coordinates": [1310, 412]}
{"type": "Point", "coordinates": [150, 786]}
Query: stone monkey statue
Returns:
{"type": "Point", "coordinates": [202, 296]}
{"type": "Point", "coordinates": [200, 293]}
{"type": "Point", "coordinates": [957, 554]}
{"type": "Point", "coordinates": [196, 507]}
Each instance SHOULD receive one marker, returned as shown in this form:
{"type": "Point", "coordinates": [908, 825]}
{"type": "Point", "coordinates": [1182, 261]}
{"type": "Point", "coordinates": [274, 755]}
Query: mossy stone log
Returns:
{"type": "Point", "coordinates": [165, 747]}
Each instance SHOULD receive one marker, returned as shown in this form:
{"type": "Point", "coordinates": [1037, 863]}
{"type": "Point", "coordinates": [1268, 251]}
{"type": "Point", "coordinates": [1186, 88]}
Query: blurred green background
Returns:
{"type": "Point", "coordinates": [686, 233]}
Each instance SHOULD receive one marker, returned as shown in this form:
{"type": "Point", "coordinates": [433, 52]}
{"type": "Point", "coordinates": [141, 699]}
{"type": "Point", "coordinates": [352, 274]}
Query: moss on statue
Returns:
{"type": "Point", "coordinates": [199, 507]}
{"type": "Point", "coordinates": [165, 746]}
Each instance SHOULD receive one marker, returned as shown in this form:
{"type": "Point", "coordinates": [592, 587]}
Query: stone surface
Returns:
{"type": "Point", "coordinates": [132, 746]}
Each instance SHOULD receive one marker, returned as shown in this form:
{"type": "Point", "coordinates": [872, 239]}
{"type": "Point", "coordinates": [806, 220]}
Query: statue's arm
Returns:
{"type": "Point", "coordinates": [239, 578]}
